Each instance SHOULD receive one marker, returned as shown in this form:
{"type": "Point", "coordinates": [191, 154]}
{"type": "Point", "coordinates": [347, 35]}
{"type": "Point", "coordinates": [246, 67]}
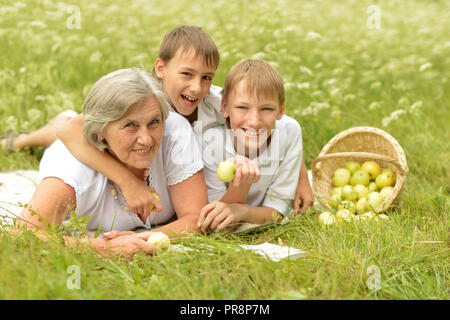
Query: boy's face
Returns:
{"type": "Point", "coordinates": [186, 80]}
{"type": "Point", "coordinates": [252, 118]}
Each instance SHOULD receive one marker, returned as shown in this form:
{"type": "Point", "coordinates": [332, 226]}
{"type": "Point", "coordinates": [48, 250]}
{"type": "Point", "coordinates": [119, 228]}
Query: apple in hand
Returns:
{"type": "Point", "coordinates": [360, 177]}
{"type": "Point", "coordinates": [341, 177]}
{"type": "Point", "coordinates": [372, 168]}
{"type": "Point", "coordinates": [348, 193]}
{"type": "Point", "coordinates": [352, 166]}
{"type": "Point", "coordinates": [226, 171]}
{"type": "Point", "coordinates": [157, 198]}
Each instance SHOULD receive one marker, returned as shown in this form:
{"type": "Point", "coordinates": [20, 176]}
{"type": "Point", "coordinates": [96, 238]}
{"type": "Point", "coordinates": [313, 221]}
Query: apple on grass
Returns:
{"type": "Point", "coordinates": [226, 171]}
{"type": "Point", "coordinates": [372, 168]}
{"type": "Point", "coordinates": [341, 177]}
{"type": "Point", "coordinates": [344, 215]}
{"type": "Point", "coordinates": [327, 218]}
{"type": "Point", "coordinates": [159, 240]}
{"type": "Point", "coordinates": [347, 205]}
{"type": "Point", "coordinates": [360, 177]}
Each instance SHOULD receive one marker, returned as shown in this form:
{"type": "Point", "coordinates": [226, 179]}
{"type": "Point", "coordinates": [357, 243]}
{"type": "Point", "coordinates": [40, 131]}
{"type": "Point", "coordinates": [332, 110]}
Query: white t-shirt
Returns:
{"type": "Point", "coordinates": [178, 158]}
{"type": "Point", "coordinates": [279, 164]}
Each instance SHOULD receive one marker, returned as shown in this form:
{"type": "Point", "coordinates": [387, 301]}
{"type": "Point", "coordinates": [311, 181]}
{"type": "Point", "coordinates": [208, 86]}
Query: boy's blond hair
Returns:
{"type": "Point", "coordinates": [260, 78]}
{"type": "Point", "coordinates": [189, 37]}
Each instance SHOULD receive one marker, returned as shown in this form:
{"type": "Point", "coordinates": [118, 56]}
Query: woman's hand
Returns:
{"type": "Point", "coordinates": [217, 215]}
{"type": "Point", "coordinates": [247, 171]}
{"type": "Point", "coordinates": [140, 199]}
{"type": "Point", "coordinates": [127, 245]}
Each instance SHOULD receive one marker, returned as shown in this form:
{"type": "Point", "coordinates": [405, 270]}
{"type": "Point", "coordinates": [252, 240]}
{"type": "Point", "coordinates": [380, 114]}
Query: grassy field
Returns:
{"type": "Point", "coordinates": [342, 68]}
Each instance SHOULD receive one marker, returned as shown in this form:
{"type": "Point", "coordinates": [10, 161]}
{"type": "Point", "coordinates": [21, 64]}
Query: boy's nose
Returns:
{"type": "Point", "coordinates": [254, 120]}
{"type": "Point", "coordinates": [196, 86]}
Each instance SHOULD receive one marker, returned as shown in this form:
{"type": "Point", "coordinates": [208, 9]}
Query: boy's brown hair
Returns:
{"type": "Point", "coordinates": [187, 37]}
{"type": "Point", "coordinates": [260, 78]}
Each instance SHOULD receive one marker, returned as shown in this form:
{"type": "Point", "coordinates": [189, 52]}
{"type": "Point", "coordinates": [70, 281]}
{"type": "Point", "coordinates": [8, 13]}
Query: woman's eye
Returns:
{"type": "Point", "coordinates": [129, 125]}
{"type": "Point", "coordinates": [155, 121]}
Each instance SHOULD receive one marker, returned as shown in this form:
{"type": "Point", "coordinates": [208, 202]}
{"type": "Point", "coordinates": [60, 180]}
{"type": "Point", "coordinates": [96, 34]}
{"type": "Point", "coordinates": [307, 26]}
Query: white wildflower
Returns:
{"type": "Point", "coordinates": [425, 66]}
{"type": "Point", "coordinates": [374, 105]}
{"type": "Point", "coordinates": [416, 106]}
{"type": "Point", "coordinates": [303, 85]}
{"type": "Point", "coordinates": [95, 57]}
{"type": "Point", "coordinates": [349, 97]}
{"type": "Point", "coordinates": [334, 91]}
{"type": "Point", "coordinates": [393, 116]}
{"type": "Point", "coordinates": [258, 56]}
{"type": "Point", "coordinates": [11, 123]}
{"type": "Point", "coordinates": [38, 24]}
{"type": "Point", "coordinates": [22, 70]}
{"type": "Point", "coordinates": [314, 108]}
{"type": "Point", "coordinates": [313, 36]}
{"type": "Point", "coordinates": [305, 69]}
{"type": "Point", "coordinates": [34, 115]}
{"type": "Point", "coordinates": [375, 85]}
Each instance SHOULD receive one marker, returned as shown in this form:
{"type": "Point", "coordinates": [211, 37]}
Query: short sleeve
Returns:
{"type": "Point", "coordinates": [182, 153]}
{"type": "Point", "coordinates": [88, 184]}
{"type": "Point", "coordinates": [281, 191]}
{"type": "Point", "coordinates": [213, 144]}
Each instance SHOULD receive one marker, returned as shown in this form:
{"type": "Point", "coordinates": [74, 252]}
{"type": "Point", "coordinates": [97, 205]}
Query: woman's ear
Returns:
{"type": "Point", "coordinates": [159, 68]}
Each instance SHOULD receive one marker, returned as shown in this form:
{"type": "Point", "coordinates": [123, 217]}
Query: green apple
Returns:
{"type": "Point", "coordinates": [372, 168]}
{"type": "Point", "coordinates": [157, 198]}
{"type": "Point", "coordinates": [348, 193]}
{"type": "Point", "coordinates": [383, 216]}
{"type": "Point", "coordinates": [347, 205]}
{"type": "Point", "coordinates": [368, 215]}
{"type": "Point", "coordinates": [372, 186]}
{"type": "Point", "coordinates": [337, 190]}
{"type": "Point", "coordinates": [159, 240]}
{"type": "Point", "coordinates": [334, 200]}
{"type": "Point", "coordinates": [386, 191]}
{"type": "Point", "coordinates": [361, 191]}
{"type": "Point", "coordinates": [341, 177]}
{"type": "Point", "coordinates": [327, 218]}
{"type": "Point", "coordinates": [385, 179]}
{"type": "Point", "coordinates": [352, 166]}
{"type": "Point", "coordinates": [361, 206]}
{"type": "Point", "coordinates": [345, 215]}
{"type": "Point", "coordinates": [226, 171]}
{"type": "Point", "coordinates": [374, 200]}
{"type": "Point", "coordinates": [360, 177]}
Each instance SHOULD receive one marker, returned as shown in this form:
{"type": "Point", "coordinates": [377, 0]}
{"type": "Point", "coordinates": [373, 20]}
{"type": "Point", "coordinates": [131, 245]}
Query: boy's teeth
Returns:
{"type": "Point", "coordinates": [189, 98]}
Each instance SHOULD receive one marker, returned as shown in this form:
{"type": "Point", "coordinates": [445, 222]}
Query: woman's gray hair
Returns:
{"type": "Point", "coordinates": [111, 97]}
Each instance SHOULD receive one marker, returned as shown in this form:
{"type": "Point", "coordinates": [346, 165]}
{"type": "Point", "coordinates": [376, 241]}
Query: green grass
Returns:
{"type": "Point", "coordinates": [348, 76]}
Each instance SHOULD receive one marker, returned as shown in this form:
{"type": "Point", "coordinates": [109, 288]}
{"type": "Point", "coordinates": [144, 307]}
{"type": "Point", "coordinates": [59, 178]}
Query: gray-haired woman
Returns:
{"type": "Point", "coordinates": [126, 115]}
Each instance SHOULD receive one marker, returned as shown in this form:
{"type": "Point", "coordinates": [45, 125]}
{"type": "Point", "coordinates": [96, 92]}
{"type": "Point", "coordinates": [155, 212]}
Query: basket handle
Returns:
{"type": "Point", "coordinates": [374, 156]}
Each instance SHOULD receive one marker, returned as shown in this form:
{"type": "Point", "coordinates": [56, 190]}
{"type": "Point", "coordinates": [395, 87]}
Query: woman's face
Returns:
{"type": "Point", "coordinates": [135, 138]}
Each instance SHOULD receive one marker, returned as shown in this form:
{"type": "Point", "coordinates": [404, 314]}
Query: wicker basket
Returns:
{"type": "Point", "coordinates": [359, 144]}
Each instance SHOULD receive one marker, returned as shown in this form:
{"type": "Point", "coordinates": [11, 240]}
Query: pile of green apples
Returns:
{"type": "Point", "coordinates": [358, 190]}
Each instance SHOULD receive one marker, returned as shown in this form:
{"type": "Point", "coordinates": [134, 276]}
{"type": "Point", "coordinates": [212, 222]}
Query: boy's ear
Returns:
{"type": "Point", "coordinates": [224, 109]}
{"type": "Point", "coordinates": [281, 112]}
{"type": "Point", "coordinates": [159, 68]}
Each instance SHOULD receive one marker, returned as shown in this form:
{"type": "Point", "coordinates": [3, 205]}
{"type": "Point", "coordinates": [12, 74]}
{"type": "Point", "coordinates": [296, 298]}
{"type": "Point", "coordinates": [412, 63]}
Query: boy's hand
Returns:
{"type": "Point", "coordinates": [247, 171]}
{"type": "Point", "coordinates": [140, 199]}
{"type": "Point", "coordinates": [217, 215]}
{"type": "Point", "coordinates": [304, 196]}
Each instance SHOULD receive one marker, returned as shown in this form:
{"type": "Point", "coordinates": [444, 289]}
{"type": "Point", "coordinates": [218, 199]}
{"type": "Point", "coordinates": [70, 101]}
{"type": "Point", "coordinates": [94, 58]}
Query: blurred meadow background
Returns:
{"type": "Point", "coordinates": [347, 63]}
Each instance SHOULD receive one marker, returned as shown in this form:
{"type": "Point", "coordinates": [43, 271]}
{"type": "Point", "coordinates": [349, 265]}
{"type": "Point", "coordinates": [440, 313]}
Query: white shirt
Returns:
{"type": "Point", "coordinates": [178, 158]}
{"type": "Point", "coordinates": [279, 164]}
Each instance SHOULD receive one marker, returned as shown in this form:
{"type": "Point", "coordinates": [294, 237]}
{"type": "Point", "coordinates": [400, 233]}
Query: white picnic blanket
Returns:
{"type": "Point", "coordinates": [16, 187]}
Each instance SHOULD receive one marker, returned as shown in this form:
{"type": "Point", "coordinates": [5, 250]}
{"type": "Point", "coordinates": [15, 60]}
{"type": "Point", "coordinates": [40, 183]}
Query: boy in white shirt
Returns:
{"type": "Point", "coordinates": [264, 144]}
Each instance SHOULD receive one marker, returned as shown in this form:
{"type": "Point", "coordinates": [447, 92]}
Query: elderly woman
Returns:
{"type": "Point", "coordinates": [126, 116]}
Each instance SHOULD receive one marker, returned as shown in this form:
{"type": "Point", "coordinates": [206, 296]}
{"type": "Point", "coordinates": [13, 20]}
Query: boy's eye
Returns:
{"type": "Point", "coordinates": [207, 78]}
{"type": "Point", "coordinates": [188, 74]}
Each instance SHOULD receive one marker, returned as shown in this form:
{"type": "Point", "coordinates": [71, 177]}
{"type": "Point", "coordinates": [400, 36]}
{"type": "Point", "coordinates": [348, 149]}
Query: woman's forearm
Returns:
{"type": "Point", "coordinates": [178, 228]}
